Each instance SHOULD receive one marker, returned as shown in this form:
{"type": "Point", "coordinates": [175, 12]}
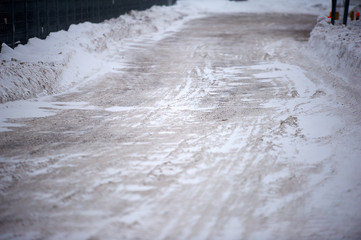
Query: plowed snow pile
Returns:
{"type": "Point", "coordinates": [339, 46]}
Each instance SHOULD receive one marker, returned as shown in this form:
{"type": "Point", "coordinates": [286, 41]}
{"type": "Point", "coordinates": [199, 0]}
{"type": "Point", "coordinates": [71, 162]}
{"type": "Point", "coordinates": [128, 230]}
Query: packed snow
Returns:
{"type": "Point", "coordinates": [201, 141]}
{"type": "Point", "coordinates": [67, 58]}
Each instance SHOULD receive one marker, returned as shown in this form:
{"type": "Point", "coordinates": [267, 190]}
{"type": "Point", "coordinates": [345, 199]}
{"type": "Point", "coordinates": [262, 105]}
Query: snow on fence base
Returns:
{"type": "Point", "coordinates": [21, 20]}
{"type": "Point", "coordinates": [68, 58]}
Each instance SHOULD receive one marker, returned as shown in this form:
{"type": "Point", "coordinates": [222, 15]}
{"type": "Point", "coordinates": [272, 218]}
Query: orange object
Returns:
{"type": "Point", "coordinates": [337, 15]}
{"type": "Point", "coordinates": [352, 15]}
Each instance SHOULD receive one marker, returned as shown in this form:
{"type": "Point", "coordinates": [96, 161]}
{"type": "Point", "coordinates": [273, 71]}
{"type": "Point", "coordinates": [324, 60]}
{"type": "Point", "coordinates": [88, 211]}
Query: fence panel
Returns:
{"type": "Point", "coordinates": [6, 22]}
{"type": "Point", "coordinates": [24, 19]}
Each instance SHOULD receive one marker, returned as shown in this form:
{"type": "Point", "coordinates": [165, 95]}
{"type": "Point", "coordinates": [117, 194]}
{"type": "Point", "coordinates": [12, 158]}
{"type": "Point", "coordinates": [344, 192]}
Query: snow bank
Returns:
{"type": "Point", "coordinates": [67, 58]}
{"type": "Point", "coordinates": [339, 47]}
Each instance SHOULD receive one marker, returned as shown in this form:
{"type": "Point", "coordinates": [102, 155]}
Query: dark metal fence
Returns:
{"type": "Point", "coordinates": [24, 19]}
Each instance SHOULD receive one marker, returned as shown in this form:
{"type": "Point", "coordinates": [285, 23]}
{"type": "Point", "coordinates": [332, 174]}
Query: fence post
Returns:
{"type": "Point", "coordinates": [333, 12]}
{"type": "Point", "coordinates": [345, 14]}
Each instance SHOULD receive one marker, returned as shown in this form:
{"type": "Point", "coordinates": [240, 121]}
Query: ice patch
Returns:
{"type": "Point", "coordinates": [39, 108]}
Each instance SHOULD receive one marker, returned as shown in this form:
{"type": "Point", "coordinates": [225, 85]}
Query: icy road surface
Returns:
{"type": "Point", "coordinates": [223, 130]}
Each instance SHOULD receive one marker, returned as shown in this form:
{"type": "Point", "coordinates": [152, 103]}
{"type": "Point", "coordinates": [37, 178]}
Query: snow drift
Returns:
{"type": "Point", "coordinates": [67, 58]}
{"type": "Point", "coordinates": [339, 46]}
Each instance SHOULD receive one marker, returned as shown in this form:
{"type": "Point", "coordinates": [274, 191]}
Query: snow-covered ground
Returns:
{"type": "Point", "coordinates": [164, 128]}
{"type": "Point", "coordinates": [68, 58]}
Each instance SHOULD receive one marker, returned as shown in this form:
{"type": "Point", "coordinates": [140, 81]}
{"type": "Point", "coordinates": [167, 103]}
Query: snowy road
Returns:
{"type": "Point", "coordinates": [219, 131]}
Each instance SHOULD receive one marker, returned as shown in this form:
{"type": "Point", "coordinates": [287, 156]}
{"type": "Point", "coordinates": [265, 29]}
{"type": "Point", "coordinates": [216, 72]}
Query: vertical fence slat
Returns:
{"type": "Point", "coordinates": [37, 18]}
{"type": "Point", "coordinates": [26, 21]}
{"type": "Point", "coordinates": [98, 11]}
{"type": "Point", "coordinates": [12, 24]}
{"type": "Point", "coordinates": [81, 10]}
{"type": "Point", "coordinates": [67, 14]}
{"type": "Point", "coordinates": [47, 9]}
{"type": "Point", "coordinates": [57, 14]}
